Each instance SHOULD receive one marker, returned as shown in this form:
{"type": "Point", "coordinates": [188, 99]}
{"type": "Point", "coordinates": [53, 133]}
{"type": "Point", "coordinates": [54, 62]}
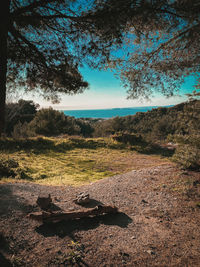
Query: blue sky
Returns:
{"type": "Point", "coordinates": [106, 91]}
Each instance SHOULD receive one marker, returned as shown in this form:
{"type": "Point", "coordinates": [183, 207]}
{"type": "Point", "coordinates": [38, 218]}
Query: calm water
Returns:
{"type": "Point", "coordinates": [107, 113]}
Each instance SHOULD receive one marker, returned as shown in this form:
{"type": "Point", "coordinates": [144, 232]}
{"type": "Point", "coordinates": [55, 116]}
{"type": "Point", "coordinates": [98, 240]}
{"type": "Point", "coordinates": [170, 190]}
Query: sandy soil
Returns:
{"type": "Point", "coordinates": [158, 222]}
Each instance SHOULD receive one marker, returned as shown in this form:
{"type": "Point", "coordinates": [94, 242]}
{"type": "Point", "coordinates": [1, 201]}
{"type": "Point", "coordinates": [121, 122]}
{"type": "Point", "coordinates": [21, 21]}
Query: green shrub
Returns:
{"type": "Point", "coordinates": [7, 167]}
{"type": "Point", "coordinates": [50, 122]}
{"type": "Point", "coordinates": [187, 156]}
{"type": "Point", "coordinates": [21, 112]}
{"type": "Point", "coordinates": [10, 168]}
{"type": "Point", "coordinates": [127, 138]}
{"type": "Point", "coordinates": [22, 131]}
{"type": "Point", "coordinates": [155, 124]}
{"type": "Point", "coordinates": [192, 140]}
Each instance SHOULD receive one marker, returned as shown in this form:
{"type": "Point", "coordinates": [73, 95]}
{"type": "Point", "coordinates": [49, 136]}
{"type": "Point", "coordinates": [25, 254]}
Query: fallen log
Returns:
{"type": "Point", "coordinates": [47, 217]}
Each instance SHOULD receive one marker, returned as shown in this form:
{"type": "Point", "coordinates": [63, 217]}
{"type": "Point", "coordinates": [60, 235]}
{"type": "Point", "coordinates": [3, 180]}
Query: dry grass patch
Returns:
{"type": "Point", "coordinates": [74, 161]}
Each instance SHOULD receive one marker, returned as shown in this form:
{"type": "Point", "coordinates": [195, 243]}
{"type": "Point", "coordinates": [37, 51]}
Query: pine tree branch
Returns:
{"type": "Point", "coordinates": [18, 35]}
{"type": "Point", "coordinates": [30, 7]}
{"type": "Point", "coordinates": [170, 41]}
{"type": "Point", "coordinates": [49, 17]}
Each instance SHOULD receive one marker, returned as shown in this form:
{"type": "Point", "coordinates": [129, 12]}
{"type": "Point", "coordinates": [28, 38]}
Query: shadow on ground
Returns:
{"type": "Point", "coordinates": [4, 248]}
{"type": "Point", "coordinates": [41, 145]}
{"type": "Point", "coordinates": [9, 202]}
{"type": "Point", "coordinates": [153, 149]}
{"type": "Point", "coordinates": [67, 228]}
{"type": "Point", "coordinates": [5, 262]}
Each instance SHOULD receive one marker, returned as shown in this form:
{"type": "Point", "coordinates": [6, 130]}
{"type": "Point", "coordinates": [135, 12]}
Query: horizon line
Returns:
{"type": "Point", "coordinates": [63, 108]}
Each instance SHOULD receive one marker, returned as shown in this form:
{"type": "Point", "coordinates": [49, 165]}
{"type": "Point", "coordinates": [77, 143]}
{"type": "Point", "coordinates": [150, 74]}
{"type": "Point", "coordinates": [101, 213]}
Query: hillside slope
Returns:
{"type": "Point", "coordinates": [183, 119]}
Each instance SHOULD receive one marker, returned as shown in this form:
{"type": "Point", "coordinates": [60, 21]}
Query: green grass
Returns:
{"type": "Point", "coordinates": [71, 161]}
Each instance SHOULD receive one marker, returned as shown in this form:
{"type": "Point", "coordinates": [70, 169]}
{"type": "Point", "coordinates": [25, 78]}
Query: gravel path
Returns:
{"type": "Point", "coordinates": [156, 226]}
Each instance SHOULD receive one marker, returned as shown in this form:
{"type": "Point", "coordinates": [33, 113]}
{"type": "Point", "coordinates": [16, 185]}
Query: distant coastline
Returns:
{"type": "Point", "coordinates": [108, 113]}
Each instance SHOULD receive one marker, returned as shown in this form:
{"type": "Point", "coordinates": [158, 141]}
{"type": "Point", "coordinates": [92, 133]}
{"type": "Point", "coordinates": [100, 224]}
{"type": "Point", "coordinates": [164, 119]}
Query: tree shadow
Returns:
{"type": "Point", "coordinates": [153, 149]}
{"type": "Point", "coordinates": [42, 145]}
{"type": "Point", "coordinates": [33, 145]}
{"type": "Point", "coordinates": [67, 228]}
{"type": "Point", "coordinates": [4, 261]}
{"type": "Point", "coordinates": [4, 247]}
{"type": "Point", "coordinates": [10, 202]}
{"type": "Point", "coordinates": [54, 207]}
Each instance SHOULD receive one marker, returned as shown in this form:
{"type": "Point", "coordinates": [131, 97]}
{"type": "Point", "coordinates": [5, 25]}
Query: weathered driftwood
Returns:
{"type": "Point", "coordinates": [82, 198]}
{"type": "Point", "coordinates": [47, 217]}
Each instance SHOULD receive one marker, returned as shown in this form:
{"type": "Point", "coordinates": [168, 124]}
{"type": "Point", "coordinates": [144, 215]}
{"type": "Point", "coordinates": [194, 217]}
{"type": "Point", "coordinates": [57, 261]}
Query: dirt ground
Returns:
{"type": "Point", "coordinates": [158, 223]}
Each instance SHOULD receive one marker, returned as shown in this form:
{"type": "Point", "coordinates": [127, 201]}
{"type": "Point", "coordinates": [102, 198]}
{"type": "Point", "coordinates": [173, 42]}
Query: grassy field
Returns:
{"type": "Point", "coordinates": [69, 161]}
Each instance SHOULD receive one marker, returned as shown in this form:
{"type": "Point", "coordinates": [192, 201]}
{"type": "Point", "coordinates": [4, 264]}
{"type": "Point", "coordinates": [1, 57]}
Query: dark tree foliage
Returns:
{"type": "Point", "coordinates": [162, 41]}
{"type": "Point", "coordinates": [43, 43]}
{"type": "Point", "coordinates": [50, 122]}
{"type": "Point", "coordinates": [86, 128]}
{"type": "Point", "coordinates": [151, 44]}
{"type": "Point", "coordinates": [47, 42]}
{"type": "Point", "coordinates": [21, 112]}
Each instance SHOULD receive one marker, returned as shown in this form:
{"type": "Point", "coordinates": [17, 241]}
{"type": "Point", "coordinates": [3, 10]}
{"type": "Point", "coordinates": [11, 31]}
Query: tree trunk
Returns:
{"type": "Point", "coordinates": [4, 21]}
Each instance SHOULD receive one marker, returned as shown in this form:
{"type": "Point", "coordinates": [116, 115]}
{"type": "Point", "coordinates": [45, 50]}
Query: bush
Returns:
{"type": "Point", "coordinates": [7, 167]}
{"type": "Point", "coordinates": [50, 122]}
{"type": "Point", "coordinates": [155, 124]}
{"type": "Point", "coordinates": [187, 156]}
{"type": "Point", "coordinates": [192, 140]}
{"type": "Point", "coordinates": [21, 112]}
{"type": "Point", "coordinates": [10, 168]}
{"type": "Point", "coordinates": [127, 138]}
{"type": "Point", "coordinates": [86, 129]}
{"type": "Point", "coordinates": [22, 131]}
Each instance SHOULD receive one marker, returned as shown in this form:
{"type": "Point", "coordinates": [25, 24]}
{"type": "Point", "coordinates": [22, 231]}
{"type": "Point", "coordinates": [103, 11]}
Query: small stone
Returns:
{"type": "Point", "coordinates": [133, 237]}
{"type": "Point", "coordinates": [151, 252]}
{"type": "Point", "coordinates": [124, 254]}
{"type": "Point", "coordinates": [195, 183]}
{"type": "Point", "coordinates": [144, 201]}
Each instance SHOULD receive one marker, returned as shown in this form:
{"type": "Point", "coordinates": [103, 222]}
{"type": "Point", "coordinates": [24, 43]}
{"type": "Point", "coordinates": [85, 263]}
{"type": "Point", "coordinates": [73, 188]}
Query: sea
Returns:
{"type": "Point", "coordinates": [108, 113]}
